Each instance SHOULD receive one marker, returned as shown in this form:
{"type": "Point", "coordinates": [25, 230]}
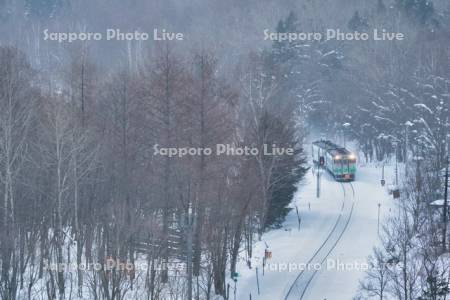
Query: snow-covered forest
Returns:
{"type": "Point", "coordinates": [93, 208]}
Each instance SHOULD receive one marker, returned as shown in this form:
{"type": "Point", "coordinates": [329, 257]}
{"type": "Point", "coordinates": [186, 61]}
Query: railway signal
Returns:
{"type": "Point", "coordinates": [396, 193]}
{"type": "Point", "coordinates": [235, 276]}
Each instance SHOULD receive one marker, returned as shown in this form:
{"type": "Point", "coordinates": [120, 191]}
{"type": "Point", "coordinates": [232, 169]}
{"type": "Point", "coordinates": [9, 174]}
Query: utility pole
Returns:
{"type": "Point", "coordinates": [345, 125]}
{"type": "Point", "coordinates": [379, 206]}
{"type": "Point", "coordinates": [318, 174]}
{"type": "Point", "coordinates": [189, 252]}
{"type": "Point", "coordinates": [418, 184]}
{"type": "Point", "coordinates": [318, 182]}
{"type": "Point", "coordinates": [396, 163]}
{"type": "Point", "coordinates": [445, 218]}
{"type": "Point", "coordinates": [396, 171]}
{"type": "Point", "coordinates": [383, 181]}
{"type": "Point", "coordinates": [343, 135]}
{"type": "Point", "coordinates": [407, 125]}
{"type": "Point", "coordinates": [418, 176]}
{"type": "Point", "coordinates": [257, 282]}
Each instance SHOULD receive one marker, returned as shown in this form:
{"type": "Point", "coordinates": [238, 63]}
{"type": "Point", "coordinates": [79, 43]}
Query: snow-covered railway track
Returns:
{"type": "Point", "coordinates": [300, 285]}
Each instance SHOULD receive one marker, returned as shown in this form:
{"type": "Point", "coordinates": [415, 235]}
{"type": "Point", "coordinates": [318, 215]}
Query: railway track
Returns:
{"type": "Point", "coordinates": [301, 284]}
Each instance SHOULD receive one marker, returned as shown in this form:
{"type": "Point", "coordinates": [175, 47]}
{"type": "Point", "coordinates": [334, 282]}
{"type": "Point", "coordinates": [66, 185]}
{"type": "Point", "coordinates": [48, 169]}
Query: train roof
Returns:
{"type": "Point", "coordinates": [331, 147]}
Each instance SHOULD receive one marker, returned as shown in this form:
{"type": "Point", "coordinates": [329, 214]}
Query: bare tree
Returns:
{"type": "Point", "coordinates": [16, 102]}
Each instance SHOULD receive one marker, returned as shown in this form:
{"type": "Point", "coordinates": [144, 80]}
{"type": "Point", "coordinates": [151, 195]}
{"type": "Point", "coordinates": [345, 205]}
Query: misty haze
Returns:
{"type": "Point", "coordinates": [224, 150]}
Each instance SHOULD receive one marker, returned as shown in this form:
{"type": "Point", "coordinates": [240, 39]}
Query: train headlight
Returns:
{"type": "Point", "coordinates": [352, 156]}
{"type": "Point", "coordinates": [337, 157]}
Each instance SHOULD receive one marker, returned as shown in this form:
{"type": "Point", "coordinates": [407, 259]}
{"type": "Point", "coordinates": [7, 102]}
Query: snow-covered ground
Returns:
{"type": "Point", "coordinates": [293, 248]}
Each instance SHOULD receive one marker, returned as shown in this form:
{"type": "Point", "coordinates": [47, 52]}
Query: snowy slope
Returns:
{"type": "Point", "coordinates": [292, 249]}
{"type": "Point", "coordinates": [345, 265]}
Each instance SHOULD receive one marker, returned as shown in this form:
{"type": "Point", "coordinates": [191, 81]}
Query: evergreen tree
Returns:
{"type": "Point", "coordinates": [358, 23]}
{"type": "Point", "coordinates": [285, 50]}
{"type": "Point", "coordinates": [381, 7]}
{"type": "Point", "coordinates": [292, 171]}
{"type": "Point", "coordinates": [418, 11]}
{"type": "Point", "coordinates": [43, 8]}
{"type": "Point", "coordinates": [437, 288]}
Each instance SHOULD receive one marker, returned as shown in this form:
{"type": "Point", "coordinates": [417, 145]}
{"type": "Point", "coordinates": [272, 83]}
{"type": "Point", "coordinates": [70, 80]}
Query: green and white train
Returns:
{"type": "Point", "coordinates": [340, 162]}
